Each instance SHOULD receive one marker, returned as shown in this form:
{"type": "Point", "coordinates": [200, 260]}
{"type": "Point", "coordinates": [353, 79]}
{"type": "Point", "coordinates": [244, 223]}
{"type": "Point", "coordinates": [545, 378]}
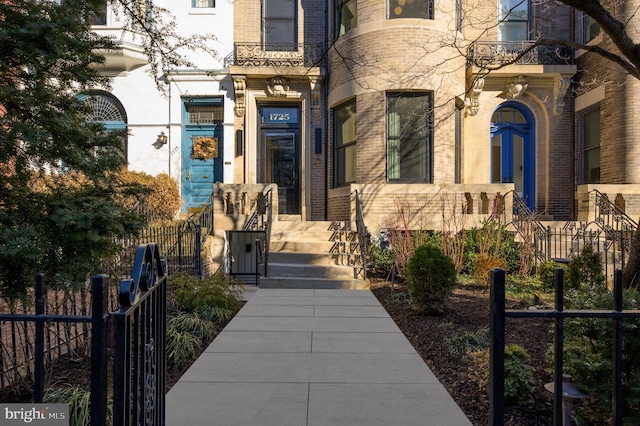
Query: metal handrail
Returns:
{"type": "Point", "coordinates": [267, 226]}
{"type": "Point", "coordinates": [362, 234]}
{"type": "Point", "coordinates": [522, 215]}
{"type": "Point", "coordinates": [614, 215]}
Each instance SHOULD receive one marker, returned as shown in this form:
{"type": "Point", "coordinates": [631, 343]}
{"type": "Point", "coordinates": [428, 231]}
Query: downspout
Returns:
{"type": "Point", "coordinates": [326, 110]}
{"type": "Point", "coordinates": [572, 106]}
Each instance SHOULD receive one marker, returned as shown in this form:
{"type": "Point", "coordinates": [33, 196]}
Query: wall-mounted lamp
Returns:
{"type": "Point", "coordinates": [160, 141]}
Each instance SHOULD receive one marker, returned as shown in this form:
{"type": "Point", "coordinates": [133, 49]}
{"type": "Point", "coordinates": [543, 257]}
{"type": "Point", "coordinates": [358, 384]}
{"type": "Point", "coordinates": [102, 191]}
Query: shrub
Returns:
{"type": "Point", "coordinates": [588, 353]}
{"type": "Point", "coordinates": [78, 400]}
{"type": "Point", "coordinates": [161, 194]}
{"type": "Point", "coordinates": [483, 264]}
{"type": "Point", "coordinates": [460, 344]}
{"type": "Point", "coordinates": [547, 274]}
{"type": "Point", "coordinates": [194, 306]}
{"type": "Point", "coordinates": [213, 298]}
{"type": "Point", "coordinates": [164, 199]}
{"type": "Point", "coordinates": [518, 373]}
{"type": "Point", "coordinates": [491, 239]}
{"type": "Point", "coordinates": [432, 277]}
{"type": "Point", "coordinates": [380, 258]}
{"type": "Point", "coordinates": [585, 269]}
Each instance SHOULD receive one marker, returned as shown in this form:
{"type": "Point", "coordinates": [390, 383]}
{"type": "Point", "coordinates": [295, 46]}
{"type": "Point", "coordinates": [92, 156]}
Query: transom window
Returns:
{"type": "Point", "coordinates": [409, 137]}
{"type": "Point", "coordinates": [410, 9]}
{"type": "Point", "coordinates": [207, 114]}
{"type": "Point", "coordinates": [508, 115]}
{"type": "Point", "coordinates": [107, 110]}
{"type": "Point", "coordinates": [344, 133]}
{"type": "Point", "coordinates": [513, 20]}
{"type": "Point", "coordinates": [279, 29]}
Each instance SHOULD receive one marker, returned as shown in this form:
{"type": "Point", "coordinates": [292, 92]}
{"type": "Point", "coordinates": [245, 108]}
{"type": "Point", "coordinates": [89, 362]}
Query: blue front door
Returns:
{"type": "Point", "coordinates": [201, 164]}
{"type": "Point", "coordinates": [202, 150]}
{"type": "Point", "coordinates": [513, 150]}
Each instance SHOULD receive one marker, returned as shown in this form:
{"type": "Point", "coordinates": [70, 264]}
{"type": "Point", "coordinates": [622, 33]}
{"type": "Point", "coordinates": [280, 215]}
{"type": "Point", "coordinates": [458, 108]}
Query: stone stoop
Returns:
{"type": "Point", "coordinates": [313, 255]}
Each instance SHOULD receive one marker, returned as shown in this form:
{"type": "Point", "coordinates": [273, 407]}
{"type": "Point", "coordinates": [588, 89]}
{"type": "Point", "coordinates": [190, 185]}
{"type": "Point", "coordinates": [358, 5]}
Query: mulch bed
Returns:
{"type": "Point", "coordinates": [468, 311]}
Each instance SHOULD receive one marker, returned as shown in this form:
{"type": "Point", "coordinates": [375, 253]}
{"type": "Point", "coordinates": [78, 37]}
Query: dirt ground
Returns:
{"type": "Point", "coordinates": [468, 311]}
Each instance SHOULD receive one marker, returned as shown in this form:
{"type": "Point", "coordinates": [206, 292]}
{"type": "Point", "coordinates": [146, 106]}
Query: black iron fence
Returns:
{"type": "Point", "coordinates": [135, 333]}
{"type": "Point", "coordinates": [181, 244]}
{"type": "Point", "coordinates": [497, 345]}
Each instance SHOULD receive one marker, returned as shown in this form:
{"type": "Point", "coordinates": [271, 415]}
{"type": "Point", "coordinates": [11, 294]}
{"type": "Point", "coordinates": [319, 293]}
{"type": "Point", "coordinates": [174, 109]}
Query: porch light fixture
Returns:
{"type": "Point", "coordinates": [160, 141]}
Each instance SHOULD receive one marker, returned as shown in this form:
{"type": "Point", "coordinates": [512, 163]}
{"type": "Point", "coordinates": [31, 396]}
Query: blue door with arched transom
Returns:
{"type": "Point", "coordinates": [513, 150]}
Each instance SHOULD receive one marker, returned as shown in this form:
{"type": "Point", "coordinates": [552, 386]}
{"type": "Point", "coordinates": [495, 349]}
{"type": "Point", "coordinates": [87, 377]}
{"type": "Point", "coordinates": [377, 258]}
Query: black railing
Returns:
{"type": "Point", "coordinates": [135, 333]}
{"type": "Point", "coordinates": [362, 234]}
{"type": "Point", "coordinates": [278, 54]}
{"type": "Point", "coordinates": [529, 227]}
{"type": "Point", "coordinates": [615, 223]}
{"type": "Point", "coordinates": [610, 233]}
{"type": "Point", "coordinates": [497, 53]}
{"type": "Point", "coordinates": [139, 329]}
{"type": "Point", "coordinates": [497, 345]}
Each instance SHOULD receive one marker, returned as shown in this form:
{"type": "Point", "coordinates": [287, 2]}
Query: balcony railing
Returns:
{"type": "Point", "coordinates": [278, 55]}
{"type": "Point", "coordinates": [495, 53]}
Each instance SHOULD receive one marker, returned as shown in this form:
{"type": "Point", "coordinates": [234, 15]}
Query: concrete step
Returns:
{"type": "Point", "coordinates": [328, 247]}
{"type": "Point", "coordinates": [309, 271]}
{"type": "Point", "coordinates": [313, 283]}
{"type": "Point", "coordinates": [311, 258]}
{"type": "Point", "coordinates": [282, 225]}
{"type": "Point", "coordinates": [313, 235]}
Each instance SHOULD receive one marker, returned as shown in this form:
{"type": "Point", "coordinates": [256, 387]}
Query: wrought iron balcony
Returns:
{"type": "Point", "coordinates": [495, 53]}
{"type": "Point", "coordinates": [278, 55]}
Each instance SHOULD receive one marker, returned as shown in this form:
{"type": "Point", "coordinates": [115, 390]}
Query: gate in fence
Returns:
{"type": "Point", "coordinates": [497, 345]}
{"type": "Point", "coordinates": [135, 333]}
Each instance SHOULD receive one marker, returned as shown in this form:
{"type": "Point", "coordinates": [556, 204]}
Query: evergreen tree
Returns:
{"type": "Point", "coordinates": [60, 192]}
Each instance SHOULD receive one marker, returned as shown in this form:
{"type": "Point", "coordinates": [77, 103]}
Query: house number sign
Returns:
{"type": "Point", "coordinates": [280, 115]}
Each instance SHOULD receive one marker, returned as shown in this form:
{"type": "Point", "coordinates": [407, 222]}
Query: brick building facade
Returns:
{"type": "Point", "coordinates": [393, 99]}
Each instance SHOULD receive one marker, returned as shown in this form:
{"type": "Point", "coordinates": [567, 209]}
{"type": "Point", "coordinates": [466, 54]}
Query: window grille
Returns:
{"type": "Point", "coordinates": [210, 114]}
{"type": "Point", "coordinates": [103, 108]}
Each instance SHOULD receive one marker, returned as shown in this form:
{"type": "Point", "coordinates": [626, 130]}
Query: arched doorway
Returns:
{"type": "Point", "coordinates": [513, 149]}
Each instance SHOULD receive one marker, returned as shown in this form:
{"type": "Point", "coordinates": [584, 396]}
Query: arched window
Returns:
{"type": "Point", "coordinates": [108, 110]}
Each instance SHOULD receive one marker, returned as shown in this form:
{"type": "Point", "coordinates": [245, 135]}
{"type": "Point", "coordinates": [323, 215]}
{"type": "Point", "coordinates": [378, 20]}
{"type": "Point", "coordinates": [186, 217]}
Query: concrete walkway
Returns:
{"type": "Point", "coordinates": [311, 358]}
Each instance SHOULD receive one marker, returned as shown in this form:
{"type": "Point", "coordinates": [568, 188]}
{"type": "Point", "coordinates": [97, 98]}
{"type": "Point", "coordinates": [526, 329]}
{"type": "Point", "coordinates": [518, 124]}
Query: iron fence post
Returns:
{"type": "Point", "coordinates": [98, 408]}
{"type": "Point", "coordinates": [196, 255]}
{"type": "Point", "coordinates": [38, 372]}
{"type": "Point", "coordinates": [496, 348]}
{"type": "Point", "coordinates": [616, 397]}
{"type": "Point", "coordinates": [558, 345]}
